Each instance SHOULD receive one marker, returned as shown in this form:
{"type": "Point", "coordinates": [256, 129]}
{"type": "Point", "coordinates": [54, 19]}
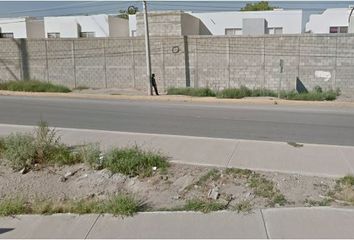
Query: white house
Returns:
{"type": "Point", "coordinates": [22, 27]}
{"type": "Point", "coordinates": [101, 25]}
{"type": "Point", "coordinates": [231, 23]}
{"type": "Point", "coordinates": [332, 20]}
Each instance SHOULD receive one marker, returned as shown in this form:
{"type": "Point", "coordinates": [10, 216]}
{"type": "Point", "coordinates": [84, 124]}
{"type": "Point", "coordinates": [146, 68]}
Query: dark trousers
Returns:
{"type": "Point", "coordinates": [155, 88]}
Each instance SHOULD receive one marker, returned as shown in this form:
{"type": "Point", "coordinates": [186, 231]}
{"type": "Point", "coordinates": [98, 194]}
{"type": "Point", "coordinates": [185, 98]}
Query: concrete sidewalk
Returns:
{"type": "Point", "coordinates": [320, 222]}
{"type": "Point", "coordinates": [310, 159]}
{"type": "Point", "coordinates": [123, 95]}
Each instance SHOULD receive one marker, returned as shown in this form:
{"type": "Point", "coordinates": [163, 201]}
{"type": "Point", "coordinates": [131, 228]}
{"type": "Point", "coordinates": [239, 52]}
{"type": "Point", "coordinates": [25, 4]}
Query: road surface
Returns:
{"type": "Point", "coordinates": [274, 123]}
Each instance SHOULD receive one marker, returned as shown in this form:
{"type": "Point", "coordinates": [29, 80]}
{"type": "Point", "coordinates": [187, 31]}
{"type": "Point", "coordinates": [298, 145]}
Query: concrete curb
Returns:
{"type": "Point", "coordinates": [177, 98]}
{"type": "Point", "coordinates": [310, 159]}
{"type": "Point", "coordinates": [314, 222]}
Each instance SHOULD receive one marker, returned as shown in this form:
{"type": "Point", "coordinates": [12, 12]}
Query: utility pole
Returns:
{"type": "Point", "coordinates": [147, 48]}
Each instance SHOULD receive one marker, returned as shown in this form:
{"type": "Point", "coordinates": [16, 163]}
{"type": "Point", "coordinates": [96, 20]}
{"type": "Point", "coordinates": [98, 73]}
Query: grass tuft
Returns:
{"type": "Point", "coordinates": [314, 95]}
{"type": "Point", "coordinates": [243, 206]}
{"type": "Point", "coordinates": [322, 203]}
{"type": "Point", "coordinates": [265, 188]}
{"type": "Point", "coordinates": [33, 86]}
{"type": "Point", "coordinates": [237, 172]}
{"type": "Point", "coordinates": [195, 92]}
{"type": "Point", "coordinates": [123, 205]}
{"type": "Point", "coordinates": [134, 161]}
{"type": "Point", "coordinates": [81, 87]}
{"type": "Point", "coordinates": [213, 174]}
{"type": "Point", "coordinates": [91, 154]}
{"type": "Point", "coordinates": [317, 94]}
{"type": "Point", "coordinates": [203, 206]}
{"type": "Point", "coordinates": [9, 207]}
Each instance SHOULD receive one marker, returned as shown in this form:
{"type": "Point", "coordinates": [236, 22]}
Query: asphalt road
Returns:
{"type": "Point", "coordinates": [273, 123]}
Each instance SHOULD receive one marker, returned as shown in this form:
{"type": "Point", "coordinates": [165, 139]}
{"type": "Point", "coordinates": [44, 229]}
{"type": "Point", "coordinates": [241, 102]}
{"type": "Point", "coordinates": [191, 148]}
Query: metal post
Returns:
{"type": "Point", "coordinates": [104, 64]}
{"type": "Point", "coordinates": [46, 60]}
{"type": "Point", "coordinates": [147, 48]}
{"type": "Point", "coordinates": [73, 61]}
{"type": "Point", "coordinates": [281, 64]}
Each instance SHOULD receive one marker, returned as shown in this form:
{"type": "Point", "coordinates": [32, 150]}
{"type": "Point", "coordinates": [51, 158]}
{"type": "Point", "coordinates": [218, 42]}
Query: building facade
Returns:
{"type": "Point", "coordinates": [167, 23]}
{"type": "Point", "coordinates": [232, 23]}
{"type": "Point", "coordinates": [85, 26]}
{"type": "Point", "coordinates": [23, 27]}
{"type": "Point", "coordinates": [333, 20]}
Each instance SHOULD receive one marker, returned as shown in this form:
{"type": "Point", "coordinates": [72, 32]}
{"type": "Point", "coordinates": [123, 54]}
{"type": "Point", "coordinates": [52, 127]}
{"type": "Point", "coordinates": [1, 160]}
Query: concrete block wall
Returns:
{"type": "Point", "coordinates": [195, 61]}
{"type": "Point", "coordinates": [10, 60]}
{"type": "Point", "coordinates": [161, 23]}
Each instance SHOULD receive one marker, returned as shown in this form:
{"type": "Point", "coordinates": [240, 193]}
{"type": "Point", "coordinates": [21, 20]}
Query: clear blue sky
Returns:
{"type": "Point", "coordinates": [55, 8]}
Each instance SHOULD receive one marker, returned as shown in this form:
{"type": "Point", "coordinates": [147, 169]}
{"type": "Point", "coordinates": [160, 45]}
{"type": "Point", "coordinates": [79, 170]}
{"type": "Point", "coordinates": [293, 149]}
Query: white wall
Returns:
{"type": "Point", "coordinates": [351, 25]}
{"type": "Point", "coordinates": [17, 26]}
{"type": "Point", "coordinates": [68, 26]}
{"type": "Point", "coordinates": [216, 22]}
{"type": "Point", "coordinates": [332, 17]}
{"type": "Point", "coordinates": [132, 25]}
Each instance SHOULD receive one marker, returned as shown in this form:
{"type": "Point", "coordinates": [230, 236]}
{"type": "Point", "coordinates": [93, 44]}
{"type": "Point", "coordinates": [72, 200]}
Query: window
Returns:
{"type": "Point", "coordinates": [275, 30]}
{"type": "Point", "coordinates": [7, 35]}
{"type": "Point", "coordinates": [278, 30]}
{"type": "Point", "coordinates": [337, 29]}
{"type": "Point", "coordinates": [87, 34]}
{"type": "Point", "coordinates": [133, 33]}
{"type": "Point", "coordinates": [233, 31]}
{"type": "Point", "coordinates": [53, 35]}
{"type": "Point", "coordinates": [343, 29]}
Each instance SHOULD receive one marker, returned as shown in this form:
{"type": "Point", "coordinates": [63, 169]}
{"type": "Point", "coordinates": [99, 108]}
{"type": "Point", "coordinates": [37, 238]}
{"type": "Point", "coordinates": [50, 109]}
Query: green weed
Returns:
{"type": "Point", "coordinates": [203, 206]}
{"type": "Point", "coordinates": [134, 161]}
{"type": "Point", "coordinates": [33, 86]}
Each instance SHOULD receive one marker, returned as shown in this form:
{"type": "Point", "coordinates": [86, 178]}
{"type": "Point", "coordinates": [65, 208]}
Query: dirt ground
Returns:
{"type": "Point", "coordinates": [161, 191]}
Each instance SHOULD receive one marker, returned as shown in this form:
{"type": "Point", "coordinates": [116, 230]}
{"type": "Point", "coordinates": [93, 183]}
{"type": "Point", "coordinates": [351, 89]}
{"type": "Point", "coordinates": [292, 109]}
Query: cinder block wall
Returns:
{"type": "Point", "coordinates": [196, 61]}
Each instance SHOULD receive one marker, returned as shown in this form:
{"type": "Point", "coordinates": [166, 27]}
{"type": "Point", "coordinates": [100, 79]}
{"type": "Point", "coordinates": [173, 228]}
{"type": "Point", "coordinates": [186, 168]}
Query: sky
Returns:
{"type": "Point", "coordinates": [60, 8]}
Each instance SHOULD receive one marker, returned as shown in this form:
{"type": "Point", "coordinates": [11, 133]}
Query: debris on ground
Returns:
{"type": "Point", "coordinates": [214, 193]}
{"type": "Point", "coordinates": [167, 190]}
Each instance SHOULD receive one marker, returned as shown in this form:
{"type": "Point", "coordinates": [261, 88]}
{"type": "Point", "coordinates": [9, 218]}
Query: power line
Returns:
{"type": "Point", "coordinates": [97, 4]}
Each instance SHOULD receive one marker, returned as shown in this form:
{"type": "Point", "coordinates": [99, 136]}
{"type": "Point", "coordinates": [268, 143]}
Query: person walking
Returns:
{"type": "Point", "coordinates": [153, 83]}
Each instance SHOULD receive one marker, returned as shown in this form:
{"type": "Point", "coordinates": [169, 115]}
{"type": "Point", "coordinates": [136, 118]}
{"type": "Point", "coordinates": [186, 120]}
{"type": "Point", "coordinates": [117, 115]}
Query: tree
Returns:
{"type": "Point", "coordinates": [130, 11]}
{"type": "Point", "coordinates": [259, 6]}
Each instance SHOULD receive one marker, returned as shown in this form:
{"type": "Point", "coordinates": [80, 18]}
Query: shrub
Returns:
{"type": "Point", "coordinates": [317, 89]}
{"type": "Point", "coordinates": [62, 155]}
{"type": "Point", "coordinates": [19, 150]}
{"type": "Point", "coordinates": [46, 142]}
{"type": "Point", "coordinates": [263, 92]}
{"type": "Point", "coordinates": [196, 92]}
{"type": "Point", "coordinates": [329, 95]}
{"type": "Point", "coordinates": [24, 150]}
{"type": "Point", "coordinates": [2, 145]}
{"type": "Point", "coordinates": [133, 161]}
{"type": "Point", "coordinates": [33, 86]}
{"type": "Point", "coordinates": [346, 180]}
{"type": "Point", "coordinates": [82, 87]}
{"type": "Point", "coordinates": [235, 92]}
{"type": "Point", "coordinates": [91, 155]}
